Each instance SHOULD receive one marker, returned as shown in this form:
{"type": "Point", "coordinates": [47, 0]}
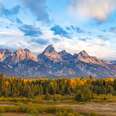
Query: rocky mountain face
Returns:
{"type": "Point", "coordinates": [52, 54]}
{"type": "Point", "coordinates": [23, 62]}
{"type": "Point", "coordinates": [84, 57]}
{"type": "Point", "coordinates": [4, 53]}
{"type": "Point", "coordinates": [113, 62]}
{"type": "Point", "coordinates": [22, 54]}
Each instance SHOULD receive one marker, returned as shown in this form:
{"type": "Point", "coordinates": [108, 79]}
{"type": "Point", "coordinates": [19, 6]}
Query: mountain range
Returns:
{"type": "Point", "coordinates": [22, 62]}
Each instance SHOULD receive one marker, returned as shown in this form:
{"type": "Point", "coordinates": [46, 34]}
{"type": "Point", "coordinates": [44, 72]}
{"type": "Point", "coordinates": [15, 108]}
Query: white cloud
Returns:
{"type": "Point", "coordinates": [96, 9]}
{"type": "Point", "coordinates": [10, 33]}
{"type": "Point", "coordinates": [14, 38]}
{"type": "Point", "coordinates": [38, 8]}
{"type": "Point", "coordinates": [95, 47]}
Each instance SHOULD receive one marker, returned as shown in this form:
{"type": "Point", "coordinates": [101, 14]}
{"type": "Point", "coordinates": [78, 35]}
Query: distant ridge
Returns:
{"type": "Point", "coordinates": [23, 62]}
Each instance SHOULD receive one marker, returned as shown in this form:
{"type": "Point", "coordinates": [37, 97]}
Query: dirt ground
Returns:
{"type": "Point", "coordinates": [103, 109]}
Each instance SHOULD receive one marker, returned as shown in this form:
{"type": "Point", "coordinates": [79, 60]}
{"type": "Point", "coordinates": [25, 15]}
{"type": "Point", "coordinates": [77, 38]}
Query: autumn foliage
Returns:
{"type": "Point", "coordinates": [17, 87]}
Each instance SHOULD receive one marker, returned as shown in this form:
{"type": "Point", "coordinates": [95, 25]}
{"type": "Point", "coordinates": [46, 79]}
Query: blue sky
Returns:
{"type": "Point", "coordinates": [73, 25]}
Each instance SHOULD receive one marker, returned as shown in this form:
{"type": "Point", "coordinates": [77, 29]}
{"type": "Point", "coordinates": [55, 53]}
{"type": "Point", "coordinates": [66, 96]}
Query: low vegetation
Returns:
{"type": "Point", "coordinates": [83, 87]}
{"type": "Point", "coordinates": [57, 97]}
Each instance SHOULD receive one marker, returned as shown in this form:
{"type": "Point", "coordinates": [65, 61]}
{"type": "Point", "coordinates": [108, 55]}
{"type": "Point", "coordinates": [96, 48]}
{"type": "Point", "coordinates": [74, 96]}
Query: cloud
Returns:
{"type": "Point", "coordinates": [38, 8]}
{"type": "Point", "coordinates": [28, 36]}
{"type": "Point", "coordinates": [11, 38]}
{"type": "Point", "coordinates": [112, 29]}
{"type": "Point", "coordinates": [74, 29]}
{"type": "Point", "coordinates": [9, 12]}
{"type": "Point", "coordinates": [59, 31]}
{"type": "Point", "coordinates": [92, 9]}
{"type": "Point", "coordinates": [95, 47]}
{"type": "Point", "coordinates": [15, 39]}
{"type": "Point", "coordinates": [30, 30]}
{"type": "Point", "coordinates": [41, 41]}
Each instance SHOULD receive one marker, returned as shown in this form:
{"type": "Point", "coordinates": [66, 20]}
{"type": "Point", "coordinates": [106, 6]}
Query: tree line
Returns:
{"type": "Point", "coordinates": [79, 87]}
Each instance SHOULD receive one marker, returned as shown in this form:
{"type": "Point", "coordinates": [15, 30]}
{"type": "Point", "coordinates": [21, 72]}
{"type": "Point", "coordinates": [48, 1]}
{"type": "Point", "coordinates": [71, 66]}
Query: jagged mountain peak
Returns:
{"type": "Point", "coordinates": [50, 62]}
{"type": "Point", "coordinates": [4, 53]}
{"type": "Point", "coordinates": [83, 53]}
{"type": "Point", "coordinates": [63, 52]}
{"type": "Point", "coordinates": [22, 54]}
{"type": "Point", "coordinates": [49, 49]}
{"type": "Point", "coordinates": [5, 50]}
{"type": "Point", "coordinates": [23, 50]}
{"type": "Point", "coordinates": [52, 54]}
{"type": "Point", "coordinates": [85, 57]}
{"type": "Point", "coordinates": [27, 50]}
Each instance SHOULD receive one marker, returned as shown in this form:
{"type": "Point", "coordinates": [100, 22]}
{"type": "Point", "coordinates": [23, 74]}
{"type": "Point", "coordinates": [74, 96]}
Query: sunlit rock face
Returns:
{"type": "Point", "coordinates": [4, 53]}
{"type": "Point", "coordinates": [1, 56]}
{"type": "Point", "coordinates": [22, 54]}
{"type": "Point", "coordinates": [85, 57]}
{"type": "Point", "coordinates": [22, 62]}
{"type": "Point", "coordinates": [52, 54]}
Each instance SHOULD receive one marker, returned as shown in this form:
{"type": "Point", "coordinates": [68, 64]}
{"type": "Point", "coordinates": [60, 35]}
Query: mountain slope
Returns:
{"type": "Point", "coordinates": [84, 57]}
{"type": "Point", "coordinates": [23, 62]}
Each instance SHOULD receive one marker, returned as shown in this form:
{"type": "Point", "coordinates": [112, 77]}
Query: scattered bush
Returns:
{"type": "Point", "coordinates": [83, 94]}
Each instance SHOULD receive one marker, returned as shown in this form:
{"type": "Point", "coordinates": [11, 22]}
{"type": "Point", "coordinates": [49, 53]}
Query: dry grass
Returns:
{"type": "Point", "coordinates": [105, 109]}
{"type": "Point", "coordinates": [99, 106]}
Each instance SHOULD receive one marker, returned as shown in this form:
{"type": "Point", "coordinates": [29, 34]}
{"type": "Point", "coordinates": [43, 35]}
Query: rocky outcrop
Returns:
{"type": "Point", "coordinates": [23, 62]}
{"type": "Point", "coordinates": [85, 57]}
{"type": "Point", "coordinates": [1, 56]}
{"type": "Point", "coordinates": [52, 54]}
{"type": "Point", "coordinates": [22, 54]}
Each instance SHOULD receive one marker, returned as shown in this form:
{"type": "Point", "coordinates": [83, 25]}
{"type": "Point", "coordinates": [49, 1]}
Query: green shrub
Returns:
{"type": "Point", "coordinates": [83, 94]}
{"type": "Point", "coordinates": [65, 113]}
{"type": "Point", "coordinates": [22, 108]}
{"type": "Point", "coordinates": [8, 109]}
{"type": "Point", "coordinates": [93, 114]}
